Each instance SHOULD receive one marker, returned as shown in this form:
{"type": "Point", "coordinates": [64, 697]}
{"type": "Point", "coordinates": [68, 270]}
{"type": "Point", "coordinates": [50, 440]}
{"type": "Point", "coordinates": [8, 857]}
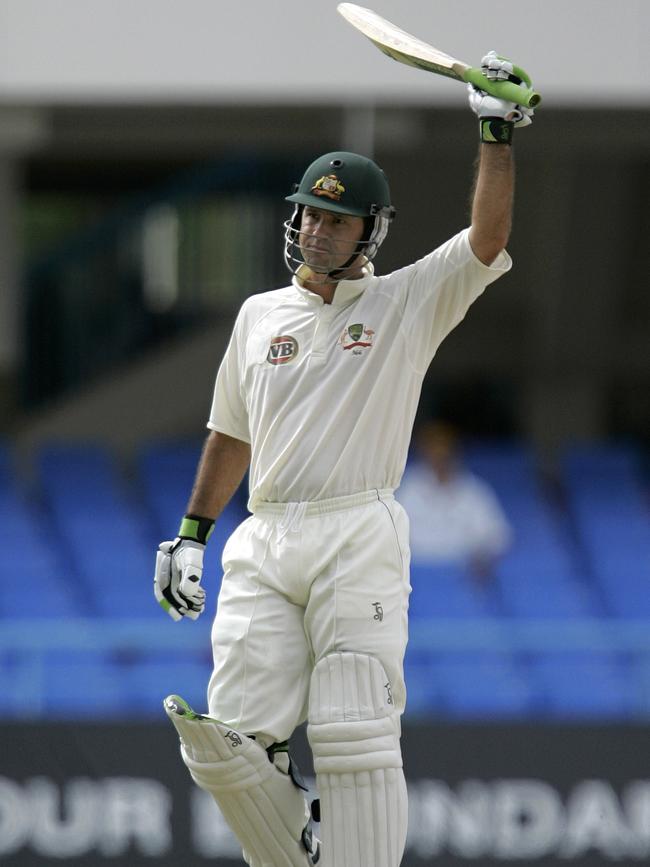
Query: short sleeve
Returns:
{"type": "Point", "coordinates": [441, 288]}
{"type": "Point", "coordinates": [228, 413]}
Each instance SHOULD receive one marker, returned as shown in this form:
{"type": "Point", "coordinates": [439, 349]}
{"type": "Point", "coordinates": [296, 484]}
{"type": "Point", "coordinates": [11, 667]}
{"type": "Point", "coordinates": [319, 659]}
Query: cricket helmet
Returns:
{"type": "Point", "coordinates": [345, 183]}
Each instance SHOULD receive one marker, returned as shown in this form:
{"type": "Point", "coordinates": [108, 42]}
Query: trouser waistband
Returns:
{"type": "Point", "coordinates": [322, 507]}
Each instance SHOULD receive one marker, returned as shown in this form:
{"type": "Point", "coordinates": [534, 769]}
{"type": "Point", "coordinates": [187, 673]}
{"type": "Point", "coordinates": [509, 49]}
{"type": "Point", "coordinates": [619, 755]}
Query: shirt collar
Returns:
{"type": "Point", "coordinates": [346, 290]}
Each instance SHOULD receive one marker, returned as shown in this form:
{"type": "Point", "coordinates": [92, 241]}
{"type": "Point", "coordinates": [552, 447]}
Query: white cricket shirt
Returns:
{"type": "Point", "coordinates": [326, 394]}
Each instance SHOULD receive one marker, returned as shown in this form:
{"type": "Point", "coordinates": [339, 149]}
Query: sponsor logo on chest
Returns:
{"type": "Point", "coordinates": [282, 349]}
{"type": "Point", "coordinates": [357, 339]}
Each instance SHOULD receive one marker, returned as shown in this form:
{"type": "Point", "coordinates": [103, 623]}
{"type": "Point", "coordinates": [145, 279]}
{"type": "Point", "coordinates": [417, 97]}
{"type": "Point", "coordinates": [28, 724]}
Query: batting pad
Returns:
{"type": "Point", "coordinates": [262, 805]}
{"type": "Point", "coordinates": [354, 735]}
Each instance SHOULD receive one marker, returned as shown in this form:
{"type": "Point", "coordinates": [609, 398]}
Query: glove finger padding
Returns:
{"type": "Point", "coordinates": [187, 564]}
{"type": "Point", "coordinates": [498, 68]}
{"type": "Point", "coordinates": [162, 581]}
{"type": "Point", "coordinates": [484, 105]}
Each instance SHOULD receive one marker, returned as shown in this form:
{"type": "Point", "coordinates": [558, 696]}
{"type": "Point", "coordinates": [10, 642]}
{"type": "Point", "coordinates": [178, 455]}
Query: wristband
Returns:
{"type": "Point", "coordinates": [496, 130]}
{"type": "Point", "coordinates": [196, 528]}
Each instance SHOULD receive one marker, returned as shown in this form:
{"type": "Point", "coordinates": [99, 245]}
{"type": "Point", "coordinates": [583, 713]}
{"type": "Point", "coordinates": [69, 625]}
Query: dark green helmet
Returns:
{"type": "Point", "coordinates": [345, 183]}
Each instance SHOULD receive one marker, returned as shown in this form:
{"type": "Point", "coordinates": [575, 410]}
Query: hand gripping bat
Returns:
{"type": "Point", "coordinates": [408, 49]}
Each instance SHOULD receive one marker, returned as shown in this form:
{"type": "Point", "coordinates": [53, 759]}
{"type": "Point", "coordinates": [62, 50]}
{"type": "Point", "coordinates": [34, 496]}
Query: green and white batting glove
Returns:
{"type": "Point", "coordinates": [179, 569]}
{"type": "Point", "coordinates": [497, 117]}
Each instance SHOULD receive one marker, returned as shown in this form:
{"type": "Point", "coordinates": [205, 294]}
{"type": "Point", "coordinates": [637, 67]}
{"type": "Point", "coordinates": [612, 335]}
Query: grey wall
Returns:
{"type": "Point", "coordinates": [583, 52]}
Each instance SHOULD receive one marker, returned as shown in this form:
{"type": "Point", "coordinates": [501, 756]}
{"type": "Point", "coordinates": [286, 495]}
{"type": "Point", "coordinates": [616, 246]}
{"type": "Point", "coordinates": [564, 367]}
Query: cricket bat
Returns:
{"type": "Point", "coordinates": [408, 49]}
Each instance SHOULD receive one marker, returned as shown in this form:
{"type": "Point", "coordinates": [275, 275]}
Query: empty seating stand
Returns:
{"type": "Point", "coordinates": [609, 508]}
{"type": "Point", "coordinates": [166, 472]}
{"type": "Point", "coordinates": [37, 573]}
{"type": "Point", "coordinates": [104, 535]}
{"type": "Point", "coordinates": [80, 543]}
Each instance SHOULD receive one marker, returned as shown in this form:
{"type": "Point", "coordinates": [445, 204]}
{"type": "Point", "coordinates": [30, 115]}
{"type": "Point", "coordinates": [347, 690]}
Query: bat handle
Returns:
{"type": "Point", "coordinates": [507, 90]}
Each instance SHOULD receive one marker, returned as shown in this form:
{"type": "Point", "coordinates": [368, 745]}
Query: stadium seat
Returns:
{"type": "Point", "coordinates": [105, 536]}
{"type": "Point", "coordinates": [166, 473]}
{"type": "Point", "coordinates": [146, 681]}
{"type": "Point", "coordinates": [82, 685]}
{"type": "Point", "coordinates": [582, 685]}
{"type": "Point", "coordinates": [606, 467]}
{"type": "Point", "coordinates": [422, 697]}
{"type": "Point", "coordinates": [611, 518]}
{"type": "Point", "coordinates": [484, 686]}
{"type": "Point", "coordinates": [639, 669]}
{"type": "Point", "coordinates": [21, 678]}
{"type": "Point", "coordinates": [626, 591]}
{"type": "Point", "coordinates": [529, 596]}
{"type": "Point", "coordinates": [444, 591]}
{"type": "Point", "coordinates": [540, 545]}
{"type": "Point", "coordinates": [34, 568]}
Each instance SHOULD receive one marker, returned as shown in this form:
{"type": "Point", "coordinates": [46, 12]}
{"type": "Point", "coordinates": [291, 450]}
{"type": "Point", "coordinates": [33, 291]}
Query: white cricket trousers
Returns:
{"type": "Point", "coordinates": [302, 580]}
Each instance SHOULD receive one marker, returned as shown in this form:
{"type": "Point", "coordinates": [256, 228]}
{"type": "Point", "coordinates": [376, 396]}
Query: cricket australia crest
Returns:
{"type": "Point", "coordinates": [330, 187]}
{"type": "Point", "coordinates": [357, 338]}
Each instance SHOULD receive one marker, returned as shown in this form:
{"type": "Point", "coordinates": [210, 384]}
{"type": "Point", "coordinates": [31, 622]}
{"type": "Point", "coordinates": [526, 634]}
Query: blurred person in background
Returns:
{"type": "Point", "coordinates": [455, 517]}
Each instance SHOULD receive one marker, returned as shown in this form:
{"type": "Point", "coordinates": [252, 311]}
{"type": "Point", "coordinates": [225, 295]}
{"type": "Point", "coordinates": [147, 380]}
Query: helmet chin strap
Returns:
{"type": "Point", "coordinates": [336, 272]}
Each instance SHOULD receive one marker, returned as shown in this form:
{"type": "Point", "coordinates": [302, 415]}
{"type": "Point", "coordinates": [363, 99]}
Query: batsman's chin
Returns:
{"type": "Point", "coordinates": [307, 274]}
{"type": "Point", "coordinates": [318, 260]}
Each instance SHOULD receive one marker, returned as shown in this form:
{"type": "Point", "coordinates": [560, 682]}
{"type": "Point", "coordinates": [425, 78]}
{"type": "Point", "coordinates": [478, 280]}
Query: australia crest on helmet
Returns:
{"type": "Point", "coordinates": [330, 187]}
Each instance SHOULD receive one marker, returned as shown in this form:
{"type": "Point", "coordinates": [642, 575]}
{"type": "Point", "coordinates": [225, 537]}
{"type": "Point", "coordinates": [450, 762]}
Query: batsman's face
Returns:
{"type": "Point", "coordinates": [327, 240]}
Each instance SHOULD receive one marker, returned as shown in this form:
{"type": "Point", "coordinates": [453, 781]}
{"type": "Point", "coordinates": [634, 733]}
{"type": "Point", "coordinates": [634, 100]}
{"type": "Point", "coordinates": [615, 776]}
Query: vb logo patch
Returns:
{"type": "Point", "coordinates": [282, 350]}
{"type": "Point", "coordinates": [357, 338]}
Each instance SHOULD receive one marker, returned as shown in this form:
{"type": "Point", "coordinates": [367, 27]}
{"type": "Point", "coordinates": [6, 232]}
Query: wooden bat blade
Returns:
{"type": "Point", "coordinates": [408, 49]}
{"type": "Point", "coordinates": [400, 45]}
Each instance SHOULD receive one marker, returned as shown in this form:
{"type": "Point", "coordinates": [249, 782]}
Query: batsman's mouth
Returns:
{"type": "Point", "coordinates": [317, 247]}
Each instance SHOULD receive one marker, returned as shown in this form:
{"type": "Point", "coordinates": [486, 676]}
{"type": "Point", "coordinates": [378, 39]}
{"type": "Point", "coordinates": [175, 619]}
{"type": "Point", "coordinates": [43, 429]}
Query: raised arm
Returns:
{"type": "Point", "coordinates": [492, 201]}
{"type": "Point", "coordinates": [494, 182]}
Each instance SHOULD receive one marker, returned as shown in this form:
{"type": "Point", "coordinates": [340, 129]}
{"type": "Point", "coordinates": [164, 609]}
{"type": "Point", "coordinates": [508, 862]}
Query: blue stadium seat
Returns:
{"type": "Point", "coordinates": [532, 597]}
{"type": "Point", "coordinates": [626, 592]}
{"type": "Point", "coordinates": [503, 463]}
{"type": "Point", "coordinates": [166, 473]}
{"type": "Point", "coordinates": [541, 547]}
{"type": "Point", "coordinates": [485, 686]}
{"type": "Point", "coordinates": [105, 536]}
{"type": "Point", "coordinates": [149, 679]}
{"type": "Point", "coordinates": [639, 670]}
{"type": "Point", "coordinates": [602, 466]}
{"type": "Point", "coordinates": [609, 509]}
{"type": "Point", "coordinates": [422, 697]}
{"type": "Point", "coordinates": [82, 685]}
{"type": "Point", "coordinates": [582, 685]}
{"type": "Point", "coordinates": [68, 471]}
{"type": "Point", "coordinates": [21, 680]}
{"type": "Point", "coordinates": [33, 564]}
{"type": "Point", "coordinates": [444, 591]}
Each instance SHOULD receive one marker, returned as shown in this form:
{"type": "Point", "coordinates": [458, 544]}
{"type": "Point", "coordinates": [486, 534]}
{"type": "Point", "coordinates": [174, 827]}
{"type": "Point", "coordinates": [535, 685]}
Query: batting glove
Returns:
{"type": "Point", "coordinates": [490, 109]}
{"type": "Point", "coordinates": [179, 569]}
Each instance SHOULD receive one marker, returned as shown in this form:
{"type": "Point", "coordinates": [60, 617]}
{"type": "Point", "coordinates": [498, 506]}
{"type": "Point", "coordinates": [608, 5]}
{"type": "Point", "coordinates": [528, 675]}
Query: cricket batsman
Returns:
{"type": "Point", "coordinates": [317, 393]}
